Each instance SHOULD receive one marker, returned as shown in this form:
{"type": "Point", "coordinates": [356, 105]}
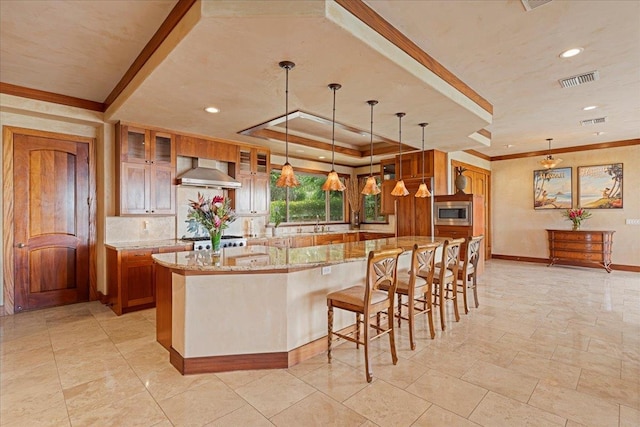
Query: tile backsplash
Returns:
{"type": "Point", "coordinates": [139, 228]}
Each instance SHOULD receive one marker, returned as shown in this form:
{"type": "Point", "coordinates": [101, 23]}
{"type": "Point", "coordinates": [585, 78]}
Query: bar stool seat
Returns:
{"type": "Point", "coordinates": [355, 296]}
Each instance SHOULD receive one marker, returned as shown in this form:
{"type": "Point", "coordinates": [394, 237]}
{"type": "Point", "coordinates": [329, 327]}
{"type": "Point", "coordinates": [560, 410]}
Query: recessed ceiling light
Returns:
{"type": "Point", "coordinates": [590, 107]}
{"type": "Point", "coordinates": [321, 157]}
{"type": "Point", "coordinates": [508, 146]}
{"type": "Point", "coordinates": [598, 133]}
{"type": "Point", "coordinates": [571, 52]}
{"type": "Point", "coordinates": [212, 110]}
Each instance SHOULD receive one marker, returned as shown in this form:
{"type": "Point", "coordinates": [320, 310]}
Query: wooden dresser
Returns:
{"type": "Point", "coordinates": [581, 247]}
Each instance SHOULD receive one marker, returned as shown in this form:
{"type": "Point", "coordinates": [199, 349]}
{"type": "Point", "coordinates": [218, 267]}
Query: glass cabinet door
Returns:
{"type": "Point", "coordinates": [136, 145]}
{"type": "Point", "coordinates": [162, 148]}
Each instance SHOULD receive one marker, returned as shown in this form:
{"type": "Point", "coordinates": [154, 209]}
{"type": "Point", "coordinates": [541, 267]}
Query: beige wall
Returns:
{"type": "Point", "coordinates": [519, 230]}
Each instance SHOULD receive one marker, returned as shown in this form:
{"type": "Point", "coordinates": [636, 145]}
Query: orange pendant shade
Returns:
{"type": "Point", "coordinates": [287, 178]}
{"type": "Point", "coordinates": [423, 191]}
{"type": "Point", "coordinates": [333, 183]}
{"type": "Point", "coordinates": [371, 187]}
{"type": "Point", "coordinates": [400, 189]}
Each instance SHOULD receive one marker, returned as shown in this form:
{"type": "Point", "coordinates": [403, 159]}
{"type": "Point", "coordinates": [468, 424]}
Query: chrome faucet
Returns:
{"type": "Point", "coordinates": [317, 226]}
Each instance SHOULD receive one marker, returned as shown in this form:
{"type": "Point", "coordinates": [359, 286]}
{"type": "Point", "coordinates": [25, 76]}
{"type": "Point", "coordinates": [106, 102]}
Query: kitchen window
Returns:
{"type": "Point", "coordinates": [307, 203]}
{"type": "Point", "coordinates": [371, 205]}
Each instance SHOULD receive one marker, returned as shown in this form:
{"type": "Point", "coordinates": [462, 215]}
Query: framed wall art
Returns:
{"type": "Point", "coordinates": [552, 189]}
{"type": "Point", "coordinates": [600, 187]}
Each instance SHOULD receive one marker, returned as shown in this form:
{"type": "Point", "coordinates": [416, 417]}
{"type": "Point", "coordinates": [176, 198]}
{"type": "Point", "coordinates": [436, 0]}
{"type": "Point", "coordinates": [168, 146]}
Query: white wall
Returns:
{"type": "Point", "coordinates": [519, 230]}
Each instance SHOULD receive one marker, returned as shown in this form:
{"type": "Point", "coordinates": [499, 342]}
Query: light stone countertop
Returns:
{"type": "Point", "coordinates": [120, 246]}
{"type": "Point", "coordinates": [276, 260]}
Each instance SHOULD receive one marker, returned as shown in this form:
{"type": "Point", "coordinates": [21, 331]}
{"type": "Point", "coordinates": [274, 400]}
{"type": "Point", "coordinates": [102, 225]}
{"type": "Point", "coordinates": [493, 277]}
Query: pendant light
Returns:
{"type": "Point", "coordinates": [333, 182]}
{"type": "Point", "coordinates": [400, 189]}
{"type": "Point", "coordinates": [371, 187]}
{"type": "Point", "coordinates": [287, 177]}
{"type": "Point", "coordinates": [423, 191]}
{"type": "Point", "coordinates": [549, 162]}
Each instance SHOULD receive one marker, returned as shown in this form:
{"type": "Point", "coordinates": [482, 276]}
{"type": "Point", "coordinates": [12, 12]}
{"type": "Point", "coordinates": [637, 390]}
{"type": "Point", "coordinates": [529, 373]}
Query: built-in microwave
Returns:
{"type": "Point", "coordinates": [453, 213]}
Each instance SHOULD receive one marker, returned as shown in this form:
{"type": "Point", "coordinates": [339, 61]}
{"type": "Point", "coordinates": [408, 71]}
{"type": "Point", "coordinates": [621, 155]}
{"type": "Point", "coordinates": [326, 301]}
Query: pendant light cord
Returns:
{"type": "Point", "coordinates": [400, 116]}
{"type": "Point", "coordinates": [423, 126]}
{"type": "Point", "coordinates": [286, 114]}
{"type": "Point", "coordinates": [371, 103]}
{"type": "Point", "coordinates": [333, 128]}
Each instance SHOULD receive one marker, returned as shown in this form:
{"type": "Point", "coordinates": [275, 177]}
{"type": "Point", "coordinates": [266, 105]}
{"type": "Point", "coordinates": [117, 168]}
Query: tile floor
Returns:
{"type": "Point", "coordinates": [547, 346]}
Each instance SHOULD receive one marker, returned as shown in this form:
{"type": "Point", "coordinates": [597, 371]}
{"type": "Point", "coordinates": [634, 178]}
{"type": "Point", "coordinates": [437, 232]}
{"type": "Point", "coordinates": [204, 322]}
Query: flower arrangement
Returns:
{"type": "Point", "coordinates": [576, 216]}
{"type": "Point", "coordinates": [213, 214]}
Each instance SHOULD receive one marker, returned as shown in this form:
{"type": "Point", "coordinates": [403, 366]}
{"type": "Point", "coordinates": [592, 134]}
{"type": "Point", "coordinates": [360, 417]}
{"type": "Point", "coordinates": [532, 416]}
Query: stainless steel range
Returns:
{"type": "Point", "coordinates": [204, 242]}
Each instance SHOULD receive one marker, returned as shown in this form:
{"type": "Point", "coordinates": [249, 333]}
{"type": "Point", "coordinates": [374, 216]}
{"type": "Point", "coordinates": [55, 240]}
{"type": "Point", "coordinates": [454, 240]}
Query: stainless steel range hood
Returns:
{"type": "Point", "coordinates": [201, 176]}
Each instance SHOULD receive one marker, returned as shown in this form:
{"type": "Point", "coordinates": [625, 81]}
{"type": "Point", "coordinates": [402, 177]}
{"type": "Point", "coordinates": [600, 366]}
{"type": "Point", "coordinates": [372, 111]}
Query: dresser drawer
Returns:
{"type": "Point", "coordinates": [581, 246]}
{"type": "Point", "coordinates": [578, 256]}
{"type": "Point", "coordinates": [578, 236]}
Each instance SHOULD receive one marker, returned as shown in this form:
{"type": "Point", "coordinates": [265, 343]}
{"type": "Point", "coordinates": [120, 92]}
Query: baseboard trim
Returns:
{"type": "Point", "coordinates": [619, 267]}
{"type": "Point", "coordinates": [104, 299]}
{"type": "Point", "coordinates": [2, 312]}
{"type": "Point", "coordinates": [278, 360]}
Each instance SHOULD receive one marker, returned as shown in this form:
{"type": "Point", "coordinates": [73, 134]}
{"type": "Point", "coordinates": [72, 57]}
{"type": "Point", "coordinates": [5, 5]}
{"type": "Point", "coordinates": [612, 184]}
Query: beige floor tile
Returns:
{"type": "Point", "coordinates": [148, 358]}
{"type": "Point", "coordinates": [583, 359]}
{"type": "Point", "coordinates": [168, 382]}
{"type": "Point", "coordinates": [437, 416]}
{"type": "Point", "coordinates": [54, 416]}
{"type": "Point", "coordinates": [274, 392]}
{"type": "Point", "coordinates": [386, 405]}
{"type": "Point", "coordinates": [338, 380]}
{"type": "Point", "coordinates": [575, 405]}
{"type": "Point", "coordinates": [617, 351]}
{"type": "Point", "coordinates": [244, 416]}
{"type": "Point", "coordinates": [18, 363]}
{"type": "Point", "coordinates": [564, 338]}
{"type": "Point", "coordinates": [613, 389]}
{"type": "Point", "coordinates": [541, 368]}
{"type": "Point", "coordinates": [538, 348]}
{"type": "Point", "coordinates": [76, 334]}
{"type": "Point", "coordinates": [318, 410]}
{"type": "Point", "coordinates": [31, 400]}
{"type": "Point", "coordinates": [630, 371]}
{"type": "Point", "coordinates": [598, 332]}
{"type": "Point", "coordinates": [448, 392]}
{"type": "Point", "coordinates": [202, 404]}
{"type": "Point", "coordinates": [81, 371]}
{"type": "Point", "coordinates": [506, 382]}
{"type": "Point", "coordinates": [35, 341]}
{"type": "Point", "coordinates": [513, 326]}
{"type": "Point", "coordinates": [102, 391]}
{"type": "Point", "coordinates": [500, 411]}
{"type": "Point", "coordinates": [444, 360]}
{"type": "Point", "coordinates": [137, 410]}
{"type": "Point", "coordinates": [236, 379]}
{"type": "Point", "coordinates": [309, 365]}
{"type": "Point", "coordinates": [405, 373]}
{"type": "Point", "coordinates": [498, 354]}
{"type": "Point", "coordinates": [629, 417]}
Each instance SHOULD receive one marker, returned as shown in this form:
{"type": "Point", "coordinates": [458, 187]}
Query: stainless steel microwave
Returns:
{"type": "Point", "coordinates": [453, 213]}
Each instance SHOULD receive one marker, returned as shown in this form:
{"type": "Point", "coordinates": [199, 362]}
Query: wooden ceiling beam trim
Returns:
{"type": "Point", "coordinates": [56, 98]}
{"type": "Point", "coordinates": [478, 154]}
{"type": "Point", "coordinates": [599, 146]}
{"type": "Point", "coordinates": [485, 133]}
{"type": "Point", "coordinates": [170, 22]}
{"type": "Point", "coordinates": [299, 140]}
{"type": "Point", "coordinates": [368, 16]}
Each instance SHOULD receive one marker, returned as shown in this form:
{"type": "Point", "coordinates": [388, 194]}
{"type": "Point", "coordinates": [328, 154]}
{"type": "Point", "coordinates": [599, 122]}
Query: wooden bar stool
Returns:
{"type": "Point", "coordinates": [468, 270]}
{"type": "Point", "coordinates": [368, 300]}
{"type": "Point", "coordinates": [445, 278]}
{"type": "Point", "coordinates": [417, 289]}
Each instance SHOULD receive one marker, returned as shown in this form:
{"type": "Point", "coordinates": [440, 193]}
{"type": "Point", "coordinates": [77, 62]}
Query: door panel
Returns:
{"type": "Point", "coordinates": [51, 222]}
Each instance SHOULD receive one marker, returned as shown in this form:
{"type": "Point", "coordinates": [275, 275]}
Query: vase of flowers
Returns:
{"type": "Point", "coordinates": [213, 214]}
{"type": "Point", "coordinates": [576, 216]}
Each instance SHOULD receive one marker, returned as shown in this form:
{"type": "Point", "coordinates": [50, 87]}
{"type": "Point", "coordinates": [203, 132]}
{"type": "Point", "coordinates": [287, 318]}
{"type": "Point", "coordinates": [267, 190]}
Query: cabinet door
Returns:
{"type": "Point", "coordinates": [137, 278]}
{"type": "Point", "coordinates": [261, 161]}
{"type": "Point", "coordinates": [260, 194]}
{"type": "Point", "coordinates": [135, 145]}
{"type": "Point", "coordinates": [243, 194]}
{"type": "Point", "coordinates": [162, 190]}
{"type": "Point", "coordinates": [387, 206]}
{"type": "Point", "coordinates": [301, 241]}
{"type": "Point", "coordinates": [134, 189]}
{"type": "Point", "coordinates": [162, 149]}
{"type": "Point", "coordinates": [405, 215]}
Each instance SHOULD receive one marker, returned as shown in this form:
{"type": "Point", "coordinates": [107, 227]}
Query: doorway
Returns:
{"type": "Point", "coordinates": [478, 182]}
{"type": "Point", "coordinates": [49, 219]}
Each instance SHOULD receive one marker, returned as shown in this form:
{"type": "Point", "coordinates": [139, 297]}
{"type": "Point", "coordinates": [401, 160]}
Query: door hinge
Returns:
{"type": "Point", "coordinates": [89, 201]}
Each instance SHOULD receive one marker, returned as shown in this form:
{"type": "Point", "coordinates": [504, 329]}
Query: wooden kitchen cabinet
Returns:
{"type": "Point", "coordinates": [328, 239]}
{"type": "Point", "coordinates": [131, 277]}
{"type": "Point", "coordinates": [145, 171]}
{"type": "Point", "coordinates": [301, 241]}
{"type": "Point", "coordinates": [252, 170]}
{"type": "Point", "coordinates": [414, 213]}
{"type": "Point", "coordinates": [190, 146]}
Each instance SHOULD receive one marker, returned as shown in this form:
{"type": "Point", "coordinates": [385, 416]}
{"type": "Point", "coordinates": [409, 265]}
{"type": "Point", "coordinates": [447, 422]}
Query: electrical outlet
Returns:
{"type": "Point", "coordinates": [633, 221]}
{"type": "Point", "coordinates": [326, 270]}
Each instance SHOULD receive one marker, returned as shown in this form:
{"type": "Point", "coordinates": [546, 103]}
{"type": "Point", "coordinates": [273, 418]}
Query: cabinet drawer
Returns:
{"type": "Point", "coordinates": [134, 255]}
{"type": "Point", "coordinates": [326, 239]}
{"type": "Point", "coordinates": [581, 246]}
{"type": "Point", "coordinates": [578, 236]}
{"type": "Point", "coordinates": [450, 231]}
{"type": "Point", "coordinates": [169, 249]}
{"type": "Point", "coordinates": [579, 256]}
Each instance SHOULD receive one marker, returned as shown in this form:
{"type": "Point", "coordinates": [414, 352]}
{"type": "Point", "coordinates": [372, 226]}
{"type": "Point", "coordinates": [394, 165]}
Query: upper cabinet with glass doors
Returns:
{"type": "Point", "coordinates": [145, 172]}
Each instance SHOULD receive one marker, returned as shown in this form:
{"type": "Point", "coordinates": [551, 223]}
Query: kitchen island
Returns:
{"type": "Point", "coordinates": [257, 307]}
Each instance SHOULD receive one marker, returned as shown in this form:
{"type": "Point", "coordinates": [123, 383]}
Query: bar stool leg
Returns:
{"type": "Point", "coordinates": [330, 330]}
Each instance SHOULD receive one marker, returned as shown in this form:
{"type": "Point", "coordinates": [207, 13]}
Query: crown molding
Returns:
{"type": "Point", "coordinates": [600, 146]}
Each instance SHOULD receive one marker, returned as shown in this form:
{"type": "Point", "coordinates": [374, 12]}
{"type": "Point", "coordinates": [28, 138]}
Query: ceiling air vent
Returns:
{"type": "Point", "coordinates": [591, 76]}
{"type": "Point", "coordinates": [529, 5]}
{"type": "Point", "coordinates": [593, 121]}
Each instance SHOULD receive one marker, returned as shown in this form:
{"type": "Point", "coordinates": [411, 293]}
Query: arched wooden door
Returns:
{"type": "Point", "coordinates": [51, 221]}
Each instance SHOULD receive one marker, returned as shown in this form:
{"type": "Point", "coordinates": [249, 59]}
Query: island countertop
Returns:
{"type": "Point", "coordinates": [274, 259]}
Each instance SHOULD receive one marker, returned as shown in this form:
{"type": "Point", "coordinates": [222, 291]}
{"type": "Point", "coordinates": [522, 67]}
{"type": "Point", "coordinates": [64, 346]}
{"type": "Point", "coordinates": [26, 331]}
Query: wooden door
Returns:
{"type": "Point", "coordinates": [51, 222]}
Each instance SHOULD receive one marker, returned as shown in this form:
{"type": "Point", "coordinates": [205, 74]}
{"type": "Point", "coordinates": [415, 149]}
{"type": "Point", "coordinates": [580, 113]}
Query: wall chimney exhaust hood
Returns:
{"type": "Point", "coordinates": [201, 176]}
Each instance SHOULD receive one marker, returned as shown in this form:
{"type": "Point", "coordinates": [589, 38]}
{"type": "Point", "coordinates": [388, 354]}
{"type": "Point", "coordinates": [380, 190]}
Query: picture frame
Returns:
{"type": "Point", "coordinates": [552, 189]}
{"type": "Point", "coordinates": [600, 186]}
